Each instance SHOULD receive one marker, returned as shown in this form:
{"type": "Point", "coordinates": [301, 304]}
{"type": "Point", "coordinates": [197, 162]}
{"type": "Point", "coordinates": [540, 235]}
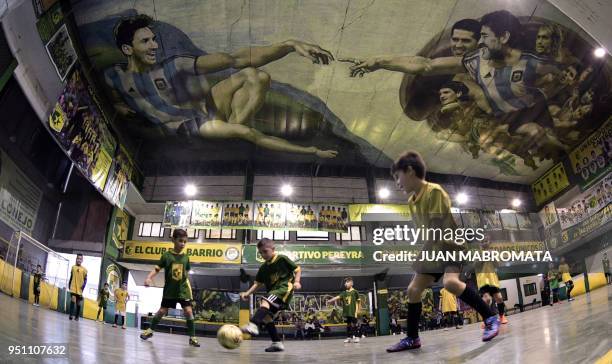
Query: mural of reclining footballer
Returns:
{"type": "Point", "coordinates": [509, 78]}
{"type": "Point", "coordinates": [175, 94]}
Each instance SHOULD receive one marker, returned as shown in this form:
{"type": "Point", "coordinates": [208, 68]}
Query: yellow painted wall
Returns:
{"type": "Point", "coordinates": [596, 280]}
{"type": "Point", "coordinates": [48, 294]}
{"type": "Point", "coordinates": [90, 309]}
{"type": "Point", "coordinates": [243, 319]}
{"type": "Point", "coordinates": [6, 279]}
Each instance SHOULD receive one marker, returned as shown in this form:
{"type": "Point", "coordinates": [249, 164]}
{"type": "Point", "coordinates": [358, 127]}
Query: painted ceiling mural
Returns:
{"type": "Point", "coordinates": [492, 89]}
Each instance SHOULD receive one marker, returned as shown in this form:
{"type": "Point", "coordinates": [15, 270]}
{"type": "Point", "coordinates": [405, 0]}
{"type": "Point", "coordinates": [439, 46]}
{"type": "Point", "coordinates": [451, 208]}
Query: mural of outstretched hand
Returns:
{"type": "Point", "coordinates": [360, 66]}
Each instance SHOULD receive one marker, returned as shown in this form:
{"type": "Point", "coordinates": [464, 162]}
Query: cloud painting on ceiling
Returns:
{"type": "Point", "coordinates": [480, 91]}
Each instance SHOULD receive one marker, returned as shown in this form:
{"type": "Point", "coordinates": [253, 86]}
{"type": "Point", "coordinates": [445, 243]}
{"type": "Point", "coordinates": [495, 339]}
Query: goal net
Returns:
{"type": "Point", "coordinates": [24, 257]}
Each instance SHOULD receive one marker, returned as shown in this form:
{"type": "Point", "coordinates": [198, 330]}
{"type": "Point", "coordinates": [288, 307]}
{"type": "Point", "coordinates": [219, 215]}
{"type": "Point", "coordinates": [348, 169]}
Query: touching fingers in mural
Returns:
{"type": "Point", "coordinates": [175, 94]}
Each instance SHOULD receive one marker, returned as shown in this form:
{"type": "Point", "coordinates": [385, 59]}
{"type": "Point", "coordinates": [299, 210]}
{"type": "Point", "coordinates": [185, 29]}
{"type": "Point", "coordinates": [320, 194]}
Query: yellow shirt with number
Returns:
{"type": "Point", "coordinates": [78, 275]}
{"type": "Point", "coordinates": [121, 297]}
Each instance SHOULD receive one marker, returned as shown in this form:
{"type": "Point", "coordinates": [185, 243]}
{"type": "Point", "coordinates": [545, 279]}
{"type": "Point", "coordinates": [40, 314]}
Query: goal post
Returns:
{"type": "Point", "coordinates": [23, 255]}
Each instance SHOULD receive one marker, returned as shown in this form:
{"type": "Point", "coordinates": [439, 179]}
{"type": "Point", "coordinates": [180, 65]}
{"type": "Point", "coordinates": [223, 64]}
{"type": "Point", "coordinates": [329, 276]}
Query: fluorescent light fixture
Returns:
{"type": "Point", "coordinates": [384, 193]}
{"type": "Point", "coordinates": [462, 198]}
{"type": "Point", "coordinates": [190, 190]}
{"type": "Point", "coordinates": [286, 190]}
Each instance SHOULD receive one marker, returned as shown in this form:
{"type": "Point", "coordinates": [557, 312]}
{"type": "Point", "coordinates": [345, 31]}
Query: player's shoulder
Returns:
{"type": "Point", "coordinates": [434, 189]}
{"type": "Point", "coordinates": [536, 57]}
{"type": "Point", "coordinates": [473, 55]}
{"type": "Point", "coordinates": [117, 69]}
{"type": "Point", "coordinates": [284, 257]}
{"type": "Point", "coordinates": [179, 61]}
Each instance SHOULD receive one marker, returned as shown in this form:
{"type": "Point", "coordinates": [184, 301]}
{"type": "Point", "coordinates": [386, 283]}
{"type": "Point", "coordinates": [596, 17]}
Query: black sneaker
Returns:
{"type": "Point", "coordinates": [76, 318]}
{"type": "Point", "coordinates": [70, 317]}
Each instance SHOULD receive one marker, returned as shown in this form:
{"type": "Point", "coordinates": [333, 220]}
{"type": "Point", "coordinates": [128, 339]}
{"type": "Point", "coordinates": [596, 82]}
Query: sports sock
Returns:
{"type": "Point", "coordinates": [156, 319]}
{"type": "Point", "coordinates": [71, 308]}
{"type": "Point", "coordinates": [272, 331]}
{"type": "Point", "coordinates": [501, 308]}
{"type": "Point", "coordinates": [414, 315]}
{"type": "Point", "coordinates": [472, 298]}
{"type": "Point", "coordinates": [260, 315]}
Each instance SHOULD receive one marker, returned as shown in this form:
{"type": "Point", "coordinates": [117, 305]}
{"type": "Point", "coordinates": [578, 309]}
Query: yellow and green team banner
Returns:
{"type": "Point", "coordinates": [550, 184]}
{"type": "Point", "coordinates": [198, 252]}
{"type": "Point", "coordinates": [590, 160]}
{"type": "Point", "coordinates": [378, 212]}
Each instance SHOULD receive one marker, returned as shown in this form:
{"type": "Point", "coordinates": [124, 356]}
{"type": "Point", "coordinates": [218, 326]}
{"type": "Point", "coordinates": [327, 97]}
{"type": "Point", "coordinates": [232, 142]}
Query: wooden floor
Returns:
{"type": "Point", "coordinates": [575, 332]}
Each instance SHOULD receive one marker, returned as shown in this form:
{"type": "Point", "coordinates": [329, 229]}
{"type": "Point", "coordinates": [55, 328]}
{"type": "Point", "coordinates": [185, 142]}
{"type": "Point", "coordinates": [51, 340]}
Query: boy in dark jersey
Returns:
{"type": "Point", "coordinates": [76, 285]}
{"type": "Point", "coordinates": [350, 308]}
{"type": "Point", "coordinates": [430, 208]}
{"type": "Point", "coordinates": [177, 288]}
{"type": "Point", "coordinates": [38, 276]}
{"type": "Point", "coordinates": [280, 275]}
{"type": "Point", "coordinates": [103, 296]}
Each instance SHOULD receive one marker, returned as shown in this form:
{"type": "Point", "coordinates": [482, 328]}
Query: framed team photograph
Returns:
{"type": "Point", "coordinates": [61, 52]}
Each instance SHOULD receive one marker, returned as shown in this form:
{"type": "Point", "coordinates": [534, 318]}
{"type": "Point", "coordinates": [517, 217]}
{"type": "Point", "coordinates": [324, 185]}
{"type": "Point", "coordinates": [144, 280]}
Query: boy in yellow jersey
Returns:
{"type": "Point", "coordinates": [564, 270]}
{"type": "Point", "coordinates": [430, 208]}
{"type": "Point", "coordinates": [350, 309]}
{"type": "Point", "coordinates": [76, 285]}
{"type": "Point", "coordinates": [448, 307]}
{"type": "Point", "coordinates": [121, 298]}
{"type": "Point", "coordinates": [177, 288]}
{"type": "Point", "coordinates": [280, 275]}
{"type": "Point", "coordinates": [488, 283]}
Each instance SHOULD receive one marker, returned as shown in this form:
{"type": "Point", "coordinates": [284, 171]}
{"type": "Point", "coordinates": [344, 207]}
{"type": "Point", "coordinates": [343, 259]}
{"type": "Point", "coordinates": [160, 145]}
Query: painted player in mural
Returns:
{"type": "Point", "coordinates": [174, 93]}
{"type": "Point", "coordinates": [496, 94]}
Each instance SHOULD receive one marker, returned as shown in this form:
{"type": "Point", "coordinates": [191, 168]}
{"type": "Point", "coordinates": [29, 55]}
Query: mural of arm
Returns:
{"type": "Point", "coordinates": [407, 64]}
{"type": "Point", "coordinates": [259, 56]}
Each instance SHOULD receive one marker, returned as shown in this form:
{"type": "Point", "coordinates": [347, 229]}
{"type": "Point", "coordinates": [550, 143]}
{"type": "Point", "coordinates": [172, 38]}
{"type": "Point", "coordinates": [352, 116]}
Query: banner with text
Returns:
{"type": "Point", "coordinates": [550, 184]}
{"type": "Point", "coordinates": [378, 212]}
{"type": "Point", "coordinates": [368, 254]}
{"type": "Point", "coordinates": [19, 197]}
{"type": "Point", "coordinates": [198, 252]}
{"type": "Point", "coordinates": [78, 124]}
{"type": "Point", "coordinates": [586, 204]}
{"type": "Point", "coordinates": [592, 159]}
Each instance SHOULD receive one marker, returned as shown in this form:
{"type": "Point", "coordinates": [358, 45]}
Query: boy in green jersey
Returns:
{"type": "Point", "coordinates": [350, 308]}
{"type": "Point", "coordinates": [177, 288]}
{"type": "Point", "coordinates": [103, 296]}
{"type": "Point", "coordinates": [553, 282]}
{"type": "Point", "coordinates": [38, 277]}
{"type": "Point", "coordinates": [280, 275]}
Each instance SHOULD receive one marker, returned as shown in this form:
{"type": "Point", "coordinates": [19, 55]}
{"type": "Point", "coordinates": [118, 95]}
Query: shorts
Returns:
{"type": "Point", "coordinates": [36, 290]}
{"type": "Point", "coordinates": [102, 305]}
{"type": "Point", "coordinates": [437, 268]}
{"type": "Point", "coordinates": [350, 321]}
{"type": "Point", "coordinates": [488, 289]}
{"type": "Point", "coordinates": [78, 296]}
{"type": "Point", "coordinates": [276, 303]}
{"type": "Point", "coordinates": [192, 127]}
{"type": "Point", "coordinates": [537, 114]}
{"type": "Point", "coordinates": [171, 303]}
